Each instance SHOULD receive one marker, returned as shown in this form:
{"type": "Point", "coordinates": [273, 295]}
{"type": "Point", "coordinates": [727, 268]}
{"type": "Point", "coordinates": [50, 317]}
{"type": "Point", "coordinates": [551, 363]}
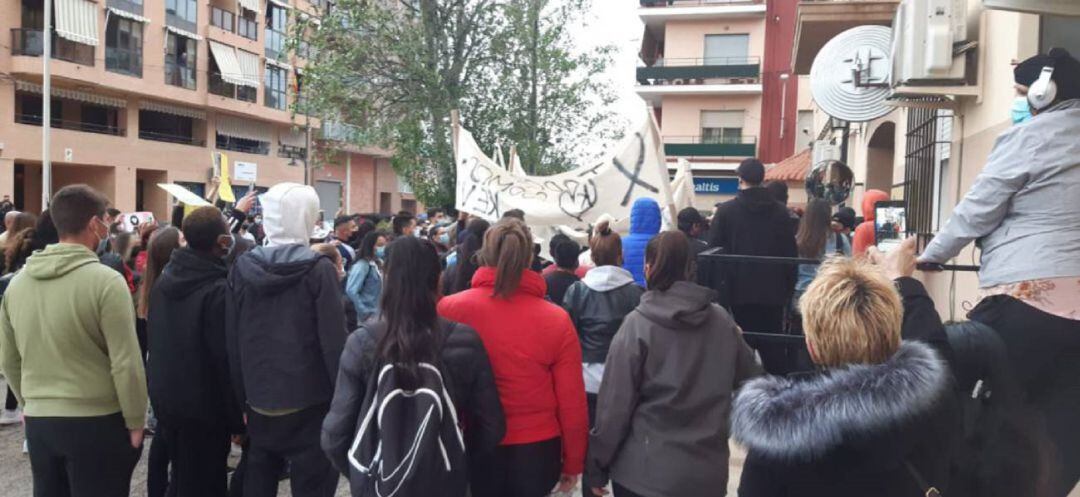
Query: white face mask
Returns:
{"type": "Point", "coordinates": [101, 239]}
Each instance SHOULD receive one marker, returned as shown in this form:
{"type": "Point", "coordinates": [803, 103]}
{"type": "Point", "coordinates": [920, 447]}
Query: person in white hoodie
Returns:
{"type": "Point", "coordinates": [598, 303]}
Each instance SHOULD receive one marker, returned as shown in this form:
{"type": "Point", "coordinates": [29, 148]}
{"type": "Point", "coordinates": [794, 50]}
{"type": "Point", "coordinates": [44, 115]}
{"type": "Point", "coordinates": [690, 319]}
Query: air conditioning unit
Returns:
{"type": "Point", "coordinates": [823, 151]}
{"type": "Point", "coordinates": [924, 34]}
{"type": "Point", "coordinates": [1052, 7]}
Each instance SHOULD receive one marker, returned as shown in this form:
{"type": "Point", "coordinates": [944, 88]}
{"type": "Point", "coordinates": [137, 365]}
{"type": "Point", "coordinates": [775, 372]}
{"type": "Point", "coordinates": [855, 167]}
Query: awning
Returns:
{"type": "Point", "coordinates": [241, 128]}
{"type": "Point", "coordinates": [292, 138]}
{"type": "Point", "coordinates": [184, 33]}
{"type": "Point", "coordinates": [252, 5]}
{"type": "Point", "coordinates": [281, 4]}
{"type": "Point", "coordinates": [81, 96]}
{"type": "Point", "coordinates": [77, 20]}
{"type": "Point", "coordinates": [227, 63]}
{"type": "Point", "coordinates": [279, 64]}
{"type": "Point", "coordinates": [249, 68]}
{"type": "Point", "coordinates": [172, 109]}
{"type": "Point", "coordinates": [127, 15]}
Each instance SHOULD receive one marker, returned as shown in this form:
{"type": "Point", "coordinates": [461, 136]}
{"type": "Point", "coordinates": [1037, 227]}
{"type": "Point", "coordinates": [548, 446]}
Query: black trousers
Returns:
{"type": "Point", "coordinates": [291, 439]}
{"type": "Point", "coordinates": [621, 491]}
{"type": "Point", "coordinates": [157, 466]}
{"type": "Point", "coordinates": [776, 357]}
{"type": "Point", "coordinates": [81, 457]}
{"type": "Point", "coordinates": [524, 470]}
{"type": "Point", "coordinates": [199, 455]}
{"type": "Point", "coordinates": [1044, 353]}
{"type": "Point", "coordinates": [10, 403]}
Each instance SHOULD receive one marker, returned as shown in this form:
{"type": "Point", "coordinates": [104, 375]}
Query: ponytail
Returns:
{"type": "Point", "coordinates": [605, 245]}
{"type": "Point", "coordinates": [508, 247]}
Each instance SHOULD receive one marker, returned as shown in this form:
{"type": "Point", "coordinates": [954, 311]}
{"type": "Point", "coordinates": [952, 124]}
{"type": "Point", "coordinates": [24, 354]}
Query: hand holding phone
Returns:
{"type": "Point", "coordinates": [890, 224]}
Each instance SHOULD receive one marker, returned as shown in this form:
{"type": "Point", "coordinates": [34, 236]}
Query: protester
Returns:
{"type": "Point", "coordinates": [9, 226]}
{"type": "Point", "coordinates": [159, 249]}
{"type": "Point", "coordinates": [459, 277]}
{"type": "Point", "coordinates": [20, 246]}
{"type": "Point", "coordinates": [555, 240]}
{"type": "Point", "coordinates": [864, 234]}
{"type": "Point", "coordinates": [693, 225]}
{"type": "Point", "coordinates": [286, 331]}
{"type": "Point", "coordinates": [440, 237]}
{"type": "Point", "coordinates": [145, 232]}
{"type": "Point", "coordinates": [344, 227]}
{"type": "Point", "coordinates": [364, 283]}
{"type": "Point", "coordinates": [644, 225]}
{"type": "Point", "coordinates": [536, 357]}
{"type": "Point", "coordinates": [566, 264]}
{"type": "Point", "coordinates": [84, 402]}
{"type": "Point", "coordinates": [409, 334]}
{"type": "Point", "coordinates": [1024, 213]}
{"type": "Point", "coordinates": [662, 416]}
{"type": "Point", "coordinates": [331, 251]}
{"type": "Point", "coordinates": [843, 222]}
{"type": "Point", "coordinates": [436, 216]}
{"type": "Point", "coordinates": [404, 224]}
{"type": "Point", "coordinates": [598, 304]}
{"type": "Point", "coordinates": [817, 240]}
{"type": "Point", "coordinates": [190, 387]}
{"type": "Point", "coordinates": [879, 418]}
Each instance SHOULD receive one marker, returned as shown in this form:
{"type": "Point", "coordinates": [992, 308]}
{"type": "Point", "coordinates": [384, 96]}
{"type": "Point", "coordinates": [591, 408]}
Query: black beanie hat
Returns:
{"type": "Point", "coordinates": [752, 171]}
{"type": "Point", "coordinates": [1066, 72]}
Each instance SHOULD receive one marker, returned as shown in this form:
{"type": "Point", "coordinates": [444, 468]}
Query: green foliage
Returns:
{"type": "Point", "coordinates": [396, 69]}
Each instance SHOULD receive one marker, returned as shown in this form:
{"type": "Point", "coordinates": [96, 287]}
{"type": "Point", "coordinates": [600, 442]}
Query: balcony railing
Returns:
{"type": "Point", "coordinates": [171, 138]}
{"type": "Point", "coordinates": [218, 86]}
{"type": "Point", "coordinates": [71, 125]}
{"type": "Point", "coordinates": [289, 152]}
{"type": "Point", "coordinates": [179, 75]}
{"type": "Point", "coordinates": [664, 71]}
{"type": "Point", "coordinates": [262, 148]}
{"type": "Point", "coordinates": [707, 146]}
{"type": "Point", "coordinates": [31, 42]}
{"type": "Point", "coordinates": [694, 3]}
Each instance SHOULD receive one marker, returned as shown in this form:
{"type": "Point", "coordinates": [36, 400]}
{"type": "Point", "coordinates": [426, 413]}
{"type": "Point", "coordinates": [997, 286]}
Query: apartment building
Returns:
{"type": "Point", "coordinates": [717, 76]}
{"type": "Point", "coordinates": [144, 91]}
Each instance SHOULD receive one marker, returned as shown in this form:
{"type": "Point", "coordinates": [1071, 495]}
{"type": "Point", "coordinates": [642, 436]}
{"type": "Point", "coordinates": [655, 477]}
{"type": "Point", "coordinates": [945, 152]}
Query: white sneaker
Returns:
{"type": "Point", "coordinates": [10, 417]}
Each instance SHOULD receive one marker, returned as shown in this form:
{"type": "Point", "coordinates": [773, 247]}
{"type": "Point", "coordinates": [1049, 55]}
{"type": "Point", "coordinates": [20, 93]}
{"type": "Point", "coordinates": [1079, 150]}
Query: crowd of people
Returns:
{"type": "Point", "coordinates": [443, 355]}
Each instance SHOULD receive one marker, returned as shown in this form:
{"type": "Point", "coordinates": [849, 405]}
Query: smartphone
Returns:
{"type": "Point", "coordinates": [890, 224]}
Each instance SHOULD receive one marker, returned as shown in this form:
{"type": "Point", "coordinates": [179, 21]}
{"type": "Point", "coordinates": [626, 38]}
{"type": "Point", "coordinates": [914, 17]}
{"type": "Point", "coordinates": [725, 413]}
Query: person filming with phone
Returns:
{"type": "Point", "coordinates": [1023, 212]}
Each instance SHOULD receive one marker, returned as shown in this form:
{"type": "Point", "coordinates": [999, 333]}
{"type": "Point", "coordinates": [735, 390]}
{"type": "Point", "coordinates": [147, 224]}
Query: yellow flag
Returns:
{"type": "Point", "coordinates": [225, 187]}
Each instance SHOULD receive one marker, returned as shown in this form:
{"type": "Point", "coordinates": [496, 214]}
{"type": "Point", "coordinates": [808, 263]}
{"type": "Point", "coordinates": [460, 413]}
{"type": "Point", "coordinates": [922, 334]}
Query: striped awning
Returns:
{"type": "Point", "coordinates": [186, 34]}
{"type": "Point", "coordinates": [225, 56]}
{"type": "Point", "coordinates": [280, 3]}
{"type": "Point", "coordinates": [175, 110]}
{"type": "Point", "coordinates": [249, 68]}
{"type": "Point", "coordinates": [242, 128]}
{"type": "Point", "coordinates": [279, 64]}
{"type": "Point", "coordinates": [293, 138]}
{"type": "Point", "coordinates": [80, 96]}
{"type": "Point", "coordinates": [127, 15]}
{"type": "Point", "coordinates": [77, 20]}
{"type": "Point", "coordinates": [252, 5]}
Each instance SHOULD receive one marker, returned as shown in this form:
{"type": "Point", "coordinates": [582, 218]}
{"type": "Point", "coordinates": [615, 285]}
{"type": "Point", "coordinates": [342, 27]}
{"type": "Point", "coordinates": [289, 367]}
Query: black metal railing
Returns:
{"type": "Point", "coordinates": [170, 138]}
{"type": "Point", "coordinates": [290, 152]}
{"type": "Point", "coordinates": [706, 61]}
{"type": "Point", "coordinates": [711, 140]}
{"type": "Point", "coordinates": [262, 148]}
{"type": "Point", "coordinates": [695, 3]}
{"type": "Point", "coordinates": [663, 71]}
{"type": "Point", "coordinates": [711, 146]}
{"type": "Point", "coordinates": [35, 120]}
{"type": "Point", "coordinates": [31, 42]}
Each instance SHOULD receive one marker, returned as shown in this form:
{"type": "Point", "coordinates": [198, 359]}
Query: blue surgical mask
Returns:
{"type": "Point", "coordinates": [1021, 110]}
{"type": "Point", "coordinates": [380, 252]}
{"type": "Point", "coordinates": [444, 239]}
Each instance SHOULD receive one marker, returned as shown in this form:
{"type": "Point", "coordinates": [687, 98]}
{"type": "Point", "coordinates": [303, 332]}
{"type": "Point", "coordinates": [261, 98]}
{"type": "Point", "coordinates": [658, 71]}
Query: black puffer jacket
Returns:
{"type": "Point", "coordinates": [471, 386]}
{"type": "Point", "coordinates": [597, 305]}
{"type": "Point", "coordinates": [189, 373]}
{"type": "Point", "coordinates": [286, 327]}
{"type": "Point", "coordinates": [851, 431]}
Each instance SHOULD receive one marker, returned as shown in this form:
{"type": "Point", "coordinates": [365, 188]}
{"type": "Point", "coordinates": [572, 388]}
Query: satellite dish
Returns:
{"type": "Point", "coordinates": [850, 76]}
{"type": "Point", "coordinates": [830, 180]}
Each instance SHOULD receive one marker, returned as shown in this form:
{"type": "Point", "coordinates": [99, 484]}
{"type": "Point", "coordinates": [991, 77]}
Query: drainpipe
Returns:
{"type": "Point", "coordinates": [46, 109]}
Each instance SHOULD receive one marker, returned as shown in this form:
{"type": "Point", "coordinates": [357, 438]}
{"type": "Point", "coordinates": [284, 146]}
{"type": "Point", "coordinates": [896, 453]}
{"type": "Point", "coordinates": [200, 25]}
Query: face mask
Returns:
{"type": "Point", "coordinates": [380, 252]}
{"type": "Point", "coordinates": [101, 239]}
{"type": "Point", "coordinates": [1021, 110]}
{"type": "Point", "coordinates": [444, 239]}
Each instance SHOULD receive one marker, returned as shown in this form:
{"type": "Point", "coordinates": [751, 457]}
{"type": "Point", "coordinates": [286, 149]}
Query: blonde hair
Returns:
{"type": "Point", "coordinates": [851, 314]}
{"type": "Point", "coordinates": [508, 247]}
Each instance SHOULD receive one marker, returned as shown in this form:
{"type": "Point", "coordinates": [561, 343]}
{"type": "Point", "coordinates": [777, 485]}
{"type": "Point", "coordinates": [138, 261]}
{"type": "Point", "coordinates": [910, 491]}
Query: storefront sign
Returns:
{"type": "Point", "coordinates": [716, 186]}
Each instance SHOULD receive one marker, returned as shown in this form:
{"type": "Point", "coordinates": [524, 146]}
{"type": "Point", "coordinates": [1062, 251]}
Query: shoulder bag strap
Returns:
{"type": "Point", "coordinates": [931, 491]}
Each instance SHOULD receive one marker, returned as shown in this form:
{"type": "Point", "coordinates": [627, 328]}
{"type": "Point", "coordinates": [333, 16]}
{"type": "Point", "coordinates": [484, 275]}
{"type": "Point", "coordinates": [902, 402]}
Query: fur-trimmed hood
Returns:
{"type": "Point", "coordinates": [805, 418]}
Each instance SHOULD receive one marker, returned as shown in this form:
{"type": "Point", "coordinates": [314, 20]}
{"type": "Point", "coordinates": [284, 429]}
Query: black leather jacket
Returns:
{"type": "Point", "coordinates": [598, 313]}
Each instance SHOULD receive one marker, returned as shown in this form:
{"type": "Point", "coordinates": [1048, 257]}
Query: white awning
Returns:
{"type": "Point", "coordinates": [225, 56]}
{"type": "Point", "coordinates": [252, 5]}
{"type": "Point", "coordinates": [292, 138]}
{"type": "Point", "coordinates": [172, 109]}
{"type": "Point", "coordinates": [184, 33]}
{"type": "Point", "coordinates": [242, 128]}
{"type": "Point", "coordinates": [77, 20]}
{"type": "Point", "coordinates": [127, 15]}
{"type": "Point", "coordinates": [249, 68]}
{"type": "Point", "coordinates": [81, 96]}
{"type": "Point", "coordinates": [281, 4]}
{"type": "Point", "coordinates": [279, 64]}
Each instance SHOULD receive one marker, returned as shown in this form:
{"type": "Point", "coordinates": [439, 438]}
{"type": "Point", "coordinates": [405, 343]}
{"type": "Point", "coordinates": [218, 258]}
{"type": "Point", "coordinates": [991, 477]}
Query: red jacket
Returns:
{"type": "Point", "coordinates": [536, 357]}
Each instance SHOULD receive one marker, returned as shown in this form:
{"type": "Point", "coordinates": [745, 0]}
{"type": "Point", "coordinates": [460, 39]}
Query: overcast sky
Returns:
{"type": "Point", "coordinates": [616, 22]}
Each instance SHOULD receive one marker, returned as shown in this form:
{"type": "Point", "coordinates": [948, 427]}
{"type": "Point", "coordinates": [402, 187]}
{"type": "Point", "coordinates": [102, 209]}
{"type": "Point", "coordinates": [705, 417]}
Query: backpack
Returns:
{"type": "Point", "coordinates": [409, 442]}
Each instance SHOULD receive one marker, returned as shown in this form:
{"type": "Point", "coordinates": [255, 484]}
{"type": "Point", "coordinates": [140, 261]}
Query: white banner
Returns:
{"type": "Point", "coordinates": [573, 199]}
{"type": "Point", "coordinates": [682, 186]}
{"type": "Point", "coordinates": [183, 194]}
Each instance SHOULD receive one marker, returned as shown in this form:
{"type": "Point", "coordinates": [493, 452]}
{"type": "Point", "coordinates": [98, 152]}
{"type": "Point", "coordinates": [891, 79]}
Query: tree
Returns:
{"type": "Point", "coordinates": [397, 69]}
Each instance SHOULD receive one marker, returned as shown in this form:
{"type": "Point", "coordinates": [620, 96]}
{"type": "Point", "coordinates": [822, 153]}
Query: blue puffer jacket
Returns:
{"type": "Point", "coordinates": [644, 225]}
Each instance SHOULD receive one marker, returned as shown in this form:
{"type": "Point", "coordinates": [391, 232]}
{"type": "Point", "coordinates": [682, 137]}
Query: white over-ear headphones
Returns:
{"type": "Point", "coordinates": [1043, 91]}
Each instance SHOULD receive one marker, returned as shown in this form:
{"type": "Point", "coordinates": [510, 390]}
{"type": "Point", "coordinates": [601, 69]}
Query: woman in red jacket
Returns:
{"type": "Point", "coordinates": [536, 358]}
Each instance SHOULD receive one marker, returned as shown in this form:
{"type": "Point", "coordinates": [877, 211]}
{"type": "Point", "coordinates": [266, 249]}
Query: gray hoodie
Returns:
{"type": "Point", "coordinates": [662, 415]}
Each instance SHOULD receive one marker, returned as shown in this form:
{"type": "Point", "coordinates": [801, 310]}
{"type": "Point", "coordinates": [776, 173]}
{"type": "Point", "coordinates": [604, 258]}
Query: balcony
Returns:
{"type": "Point", "coordinates": [31, 42]}
{"type": "Point", "coordinates": [220, 87]}
{"type": "Point", "coordinates": [86, 127]}
{"type": "Point", "coordinates": [657, 12]}
{"type": "Point", "coordinates": [697, 146]}
{"type": "Point", "coordinates": [171, 138]}
{"type": "Point", "coordinates": [738, 70]}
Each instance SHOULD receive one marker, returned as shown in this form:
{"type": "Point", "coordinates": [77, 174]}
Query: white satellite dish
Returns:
{"type": "Point", "coordinates": [850, 76]}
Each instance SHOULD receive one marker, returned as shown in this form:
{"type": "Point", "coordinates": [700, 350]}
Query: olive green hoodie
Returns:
{"type": "Point", "coordinates": [67, 338]}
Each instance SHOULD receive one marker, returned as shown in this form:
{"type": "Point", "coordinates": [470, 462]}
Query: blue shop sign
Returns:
{"type": "Point", "coordinates": [716, 186]}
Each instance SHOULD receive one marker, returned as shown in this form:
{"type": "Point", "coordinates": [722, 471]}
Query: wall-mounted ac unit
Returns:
{"type": "Point", "coordinates": [823, 151]}
{"type": "Point", "coordinates": [924, 34]}
{"type": "Point", "coordinates": [1054, 7]}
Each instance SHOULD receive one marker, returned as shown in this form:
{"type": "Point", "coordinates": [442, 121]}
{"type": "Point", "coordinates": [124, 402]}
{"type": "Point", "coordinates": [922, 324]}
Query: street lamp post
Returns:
{"type": "Point", "coordinates": [46, 108]}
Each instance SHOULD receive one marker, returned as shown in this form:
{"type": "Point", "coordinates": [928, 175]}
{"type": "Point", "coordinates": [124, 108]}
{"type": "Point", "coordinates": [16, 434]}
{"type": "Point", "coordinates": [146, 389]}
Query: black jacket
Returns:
{"type": "Point", "coordinates": [189, 373]}
{"type": "Point", "coordinates": [754, 223]}
{"type": "Point", "coordinates": [854, 431]}
{"type": "Point", "coordinates": [597, 305]}
{"type": "Point", "coordinates": [286, 327]}
{"type": "Point", "coordinates": [471, 385]}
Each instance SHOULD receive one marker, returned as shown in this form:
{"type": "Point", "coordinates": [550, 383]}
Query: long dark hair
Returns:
{"type": "Point", "coordinates": [162, 244]}
{"type": "Point", "coordinates": [467, 265]}
{"type": "Point", "coordinates": [20, 246]}
{"type": "Point", "coordinates": [668, 258]}
{"type": "Point", "coordinates": [409, 292]}
{"type": "Point", "coordinates": [814, 229]}
{"type": "Point", "coordinates": [367, 245]}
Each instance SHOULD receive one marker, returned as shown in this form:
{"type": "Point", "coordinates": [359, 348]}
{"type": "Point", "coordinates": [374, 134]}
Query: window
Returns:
{"type": "Point", "coordinates": [159, 126]}
{"type": "Point", "coordinates": [221, 18]}
{"type": "Point", "coordinates": [276, 27]}
{"type": "Point", "coordinates": [926, 158]}
{"type": "Point", "coordinates": [247, 25]}
{"type": "Point", "coordinates": [225, 142]}
{"type": "Point", "coordinates": [804, 130]}
{"type": "Point", "coordinates": [721, 126]}
{"type": "Point", "coordinates": [28, 108]}
{"type": "Point", "coordinates": [180, 61]}
{"type": "Point", "coordinates": [726, 49]}
{"type": "Point", "coordinates": [181, 14]}
{"type": "Point", "coordinates": [123, 46]}
{"type": "Point", "coordinates": [218, 86]}
{"type": "Point", "coordinates": [82, 116]}
{"type": "Point", "coordinates": [275, 87]}
{"type": "Point", "coordinates": [1060, 32]}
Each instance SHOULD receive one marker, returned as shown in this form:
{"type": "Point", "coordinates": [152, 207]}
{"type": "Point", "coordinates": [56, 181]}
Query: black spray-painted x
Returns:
{"type": "Point", "coordinates": [635, 177]}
